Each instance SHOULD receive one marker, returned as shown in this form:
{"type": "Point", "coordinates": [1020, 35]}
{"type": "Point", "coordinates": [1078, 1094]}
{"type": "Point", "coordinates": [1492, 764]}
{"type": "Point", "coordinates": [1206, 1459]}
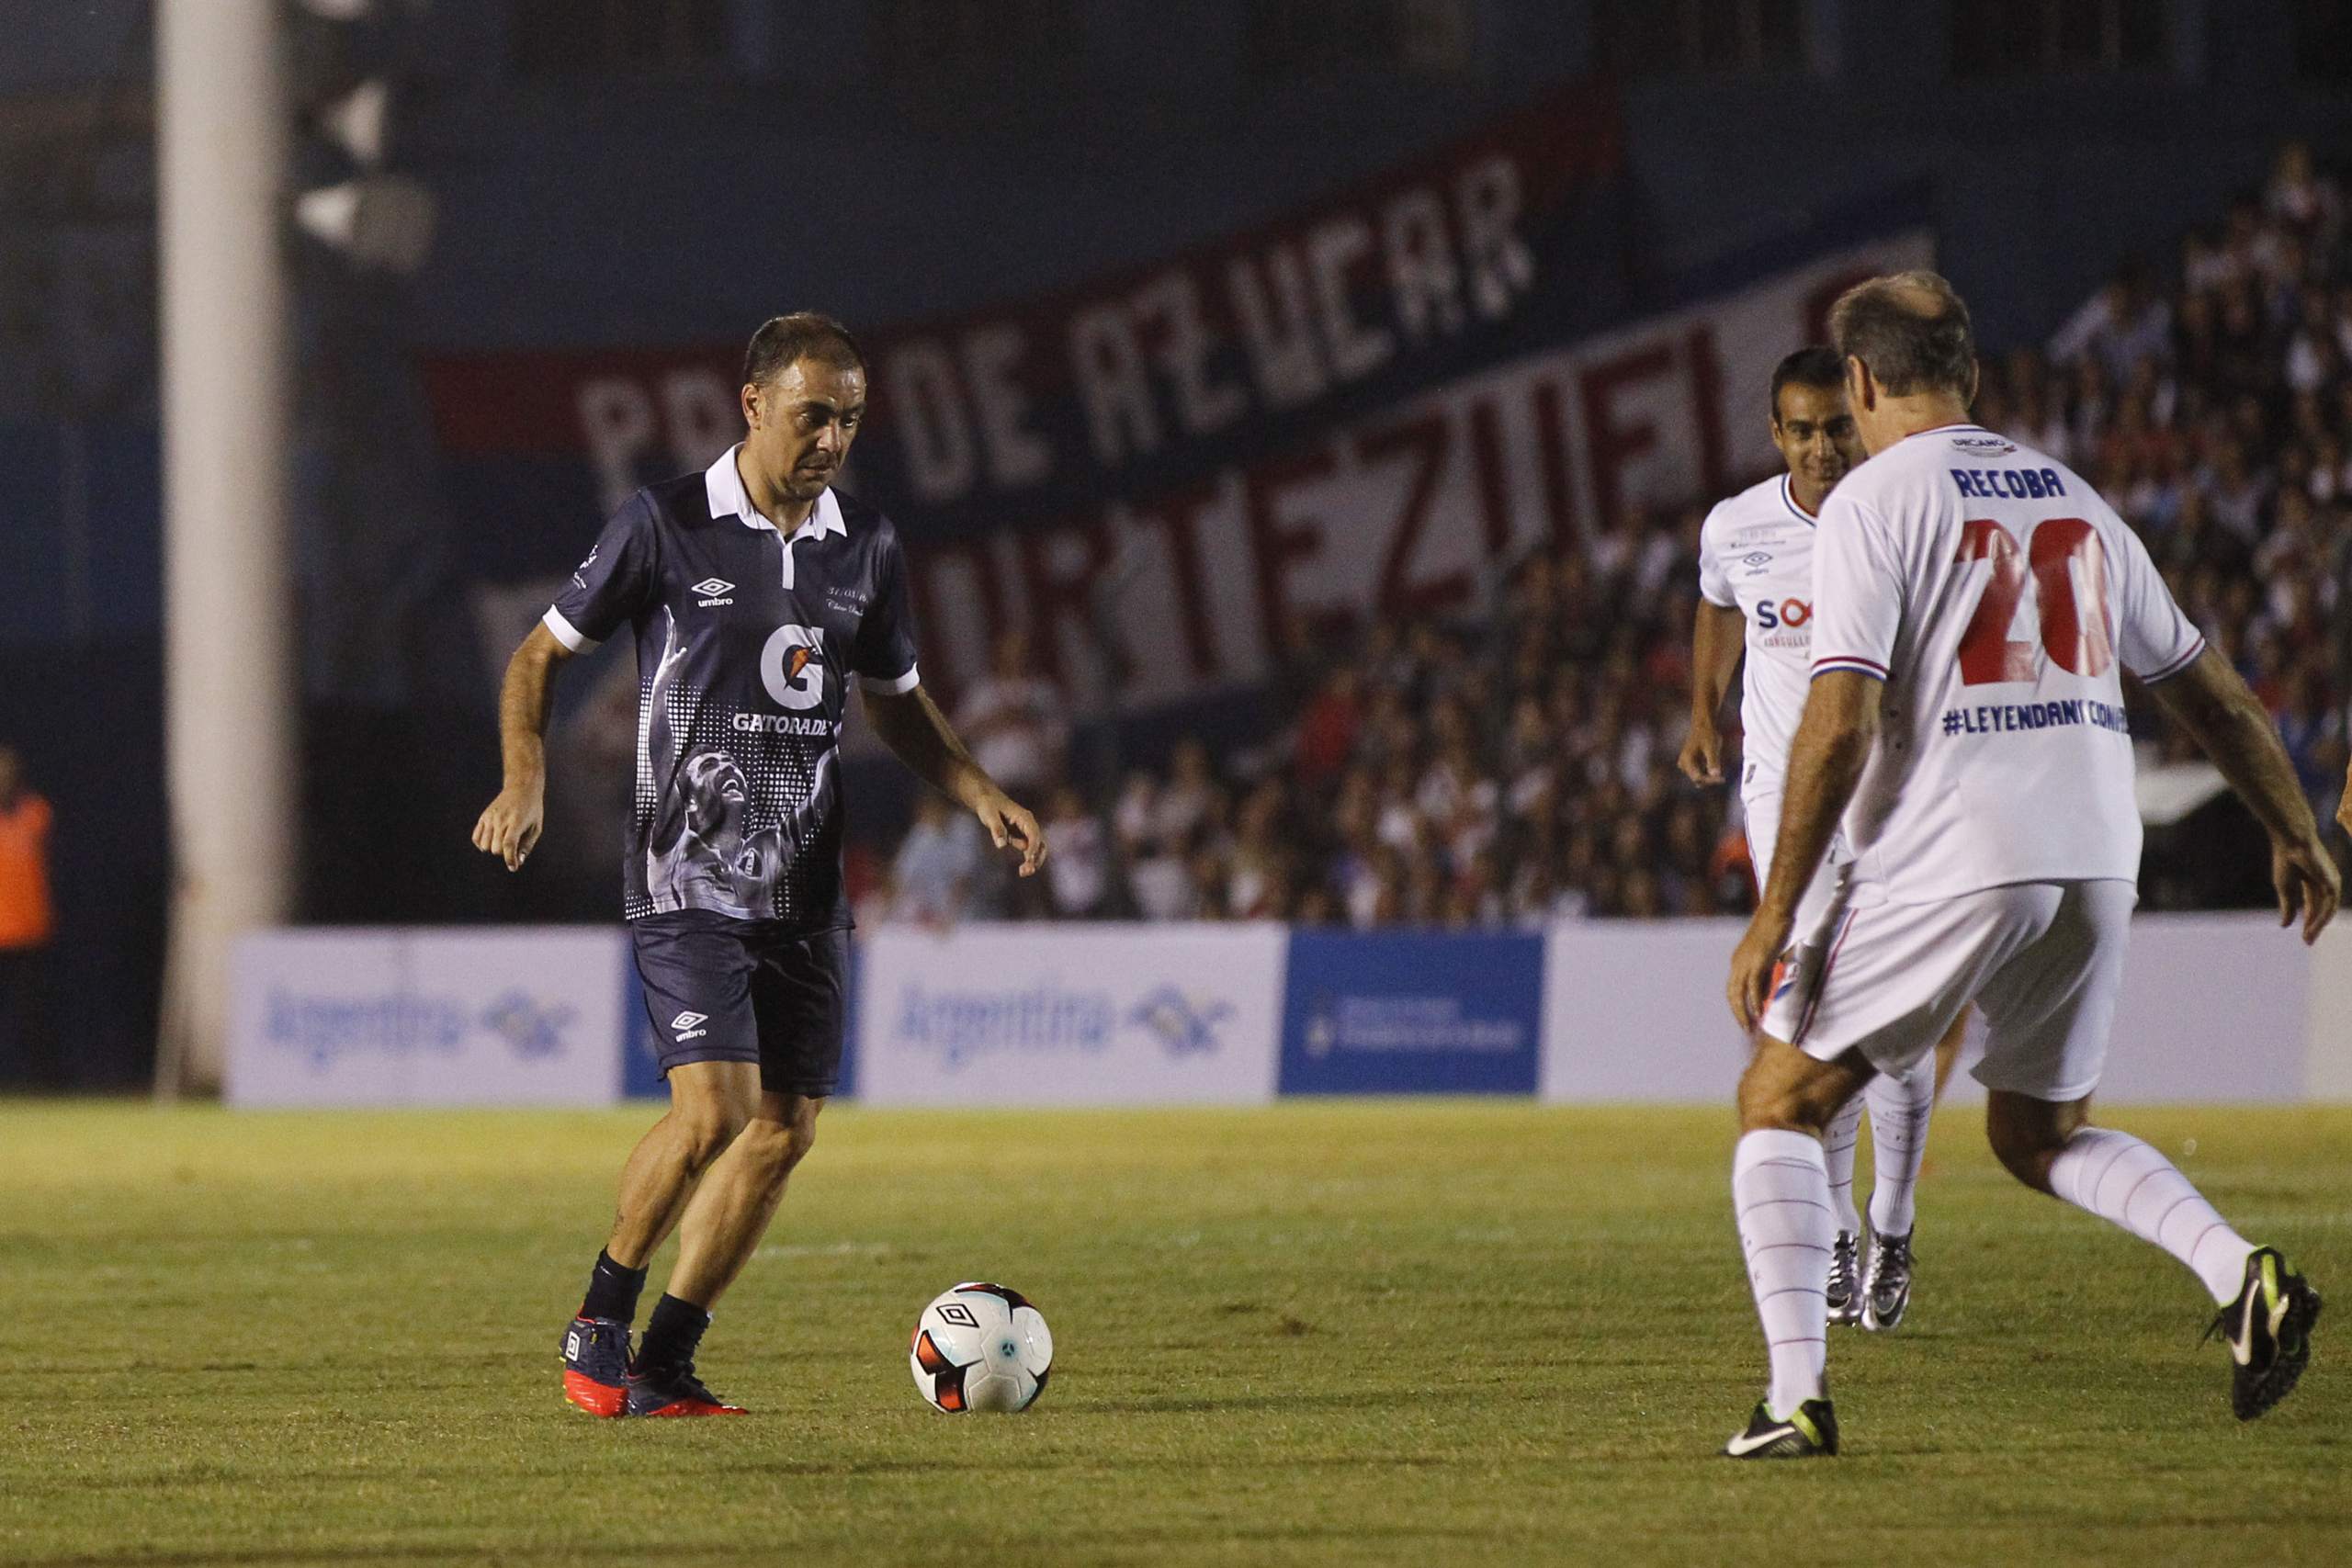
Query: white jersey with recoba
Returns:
{"type": "Point", "coordinates": [1756, 556]}
{"type": "Point", "coordinates": [1999, 598]}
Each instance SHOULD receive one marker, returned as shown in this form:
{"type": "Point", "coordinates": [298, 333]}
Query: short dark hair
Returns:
{"type": "Point", "coordinates": [1911, 330]}
{"type": "Point", "coordinates": [1810, 367]}
{"type": "Point", "coordinates": [783, 341]}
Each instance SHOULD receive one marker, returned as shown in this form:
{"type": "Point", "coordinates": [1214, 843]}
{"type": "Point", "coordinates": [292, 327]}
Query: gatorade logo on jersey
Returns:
{"type": "Point", "coordinates": [791, 667]}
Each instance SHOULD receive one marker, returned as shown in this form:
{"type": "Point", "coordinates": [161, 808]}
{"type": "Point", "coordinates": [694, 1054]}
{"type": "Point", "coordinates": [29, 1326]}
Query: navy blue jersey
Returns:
{"type": "Point", "coordinates": [746, 644]}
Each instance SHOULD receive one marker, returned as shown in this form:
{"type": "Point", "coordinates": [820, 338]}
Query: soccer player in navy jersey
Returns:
{"type": "Point", "coordinates": [755, 591]}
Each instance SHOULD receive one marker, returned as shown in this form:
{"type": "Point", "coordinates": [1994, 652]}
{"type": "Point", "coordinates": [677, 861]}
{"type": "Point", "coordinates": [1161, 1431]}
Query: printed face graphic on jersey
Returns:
{"type": "Point", "coordinates": [713, 781]}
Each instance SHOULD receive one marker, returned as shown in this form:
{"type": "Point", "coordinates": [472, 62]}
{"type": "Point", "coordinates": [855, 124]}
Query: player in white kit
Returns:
{"type": "Point", "coordinates": [1974, 603]}
{"type": "Point", "coordinates": [1755, 592]}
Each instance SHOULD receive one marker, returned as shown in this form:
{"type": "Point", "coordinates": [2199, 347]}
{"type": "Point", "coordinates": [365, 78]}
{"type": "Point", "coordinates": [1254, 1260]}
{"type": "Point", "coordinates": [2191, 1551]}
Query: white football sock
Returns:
{"type": "Point", "coordinates": [2121, 1179]}
{"type": "Point", "coordinates": [1837, 1158]}
{"type": "Point", "coordinates": [1781, 1193]}
{"type": "Point", "coordinates": [1899, 1112]}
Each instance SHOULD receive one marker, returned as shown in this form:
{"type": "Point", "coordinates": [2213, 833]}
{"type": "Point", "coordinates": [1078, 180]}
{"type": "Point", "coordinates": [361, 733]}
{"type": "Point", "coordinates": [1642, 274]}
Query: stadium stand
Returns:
{"type": "Point", "coordinates": [1520, 769]}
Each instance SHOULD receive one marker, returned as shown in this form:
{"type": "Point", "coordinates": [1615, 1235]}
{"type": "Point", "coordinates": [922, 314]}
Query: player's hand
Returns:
{"type": "Point", "coordinates": [1752, 963]}
{"type": "Point", "coordinates": [509, 826]}
{"type": "Point", "coordinates": [1011, 825]}
{"type": "Point", "coordinates": [2307, 884]}
{"type": "Point", "coordinates": [2344, 807]}
{"type": "Point", "coordinates": [1702, 755]}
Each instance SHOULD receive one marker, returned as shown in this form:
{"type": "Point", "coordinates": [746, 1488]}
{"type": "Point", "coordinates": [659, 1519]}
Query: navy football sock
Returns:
{"type": "Point", "coordinates": [612, 1291]}
{"type": "Point", "coordinates": [672, 1336]}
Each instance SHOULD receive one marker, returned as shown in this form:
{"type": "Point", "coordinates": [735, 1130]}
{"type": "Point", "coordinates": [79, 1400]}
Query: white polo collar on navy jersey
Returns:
{"type": "Point", "coordinates": [723, 483]}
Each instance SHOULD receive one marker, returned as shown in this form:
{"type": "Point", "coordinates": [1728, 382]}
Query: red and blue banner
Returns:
{"type": "Point", "coordinates": [1210, 540]}
{"type": "Point", "coordinates": [1142, 384]}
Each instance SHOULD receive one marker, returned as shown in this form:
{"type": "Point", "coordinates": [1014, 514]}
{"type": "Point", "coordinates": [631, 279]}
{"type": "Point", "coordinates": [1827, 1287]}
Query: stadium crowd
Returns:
{"type": "Point", "coordinates": [1521, 769]}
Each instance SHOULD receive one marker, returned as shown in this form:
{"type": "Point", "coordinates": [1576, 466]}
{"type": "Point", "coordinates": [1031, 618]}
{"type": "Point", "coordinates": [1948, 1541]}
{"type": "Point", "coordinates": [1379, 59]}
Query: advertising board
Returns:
{"type": "Point", "coordinates": [427, 1016]}
{"type": "Point", "coordinates": [1634, 1010]}
{"type": "Point", "coordinates": [2214, 1008]}
{"type": "Point", "coordinates": [1069, 1015]}
{"type": "Point", "coordinates": [1412, 1012]}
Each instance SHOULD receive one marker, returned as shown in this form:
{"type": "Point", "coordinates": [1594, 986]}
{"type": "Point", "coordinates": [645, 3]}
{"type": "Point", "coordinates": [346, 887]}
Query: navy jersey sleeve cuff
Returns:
{"type": "Point", "coordinates": [891, 685]}
{"type": "Point", "coordinates": [565, 632]}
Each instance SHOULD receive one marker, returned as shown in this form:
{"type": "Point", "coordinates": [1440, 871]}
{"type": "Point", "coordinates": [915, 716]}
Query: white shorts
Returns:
{"type": "Point", "coordinates": [1762, 814]}
{"type": "Point", "coordinates": [2041, 960]}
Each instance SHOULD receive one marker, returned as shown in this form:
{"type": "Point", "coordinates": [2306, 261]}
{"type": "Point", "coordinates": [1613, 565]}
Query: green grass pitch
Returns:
{"type": "Point", "coordinates": [1410, 1332]}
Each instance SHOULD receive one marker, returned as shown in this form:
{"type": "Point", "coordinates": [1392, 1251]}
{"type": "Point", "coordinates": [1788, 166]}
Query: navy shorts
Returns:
{"type": "Point", "coordinates": [720, 990]}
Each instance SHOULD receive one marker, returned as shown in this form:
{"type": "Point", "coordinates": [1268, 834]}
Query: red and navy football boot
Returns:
{"type": "Point", "coordinates": [674, 1391]}
{"type": "Point", "coordinates": [596, 1366]}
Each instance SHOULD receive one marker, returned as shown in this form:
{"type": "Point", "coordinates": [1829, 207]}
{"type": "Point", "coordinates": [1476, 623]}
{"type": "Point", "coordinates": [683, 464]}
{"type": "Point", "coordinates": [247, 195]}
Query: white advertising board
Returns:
{"type": "Point", "coordinates": [504, 1015]}
{"type": "Point", "coordinates": [1634, 1010]}
{"type": "Point", "coordinates": [1070, 1015]}
{"type": "Point", "coordinates": [2327, 1065]}
{"type": "Point", "coordinates": [2215, 1008]}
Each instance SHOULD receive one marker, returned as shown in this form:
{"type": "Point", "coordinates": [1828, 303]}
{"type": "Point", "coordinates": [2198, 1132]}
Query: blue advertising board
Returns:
{"type": "Point", "coordinates": [1412, 1012]}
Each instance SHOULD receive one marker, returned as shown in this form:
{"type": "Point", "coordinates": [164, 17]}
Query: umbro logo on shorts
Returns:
{"type": "Point", "coordinates": [687, 1025]}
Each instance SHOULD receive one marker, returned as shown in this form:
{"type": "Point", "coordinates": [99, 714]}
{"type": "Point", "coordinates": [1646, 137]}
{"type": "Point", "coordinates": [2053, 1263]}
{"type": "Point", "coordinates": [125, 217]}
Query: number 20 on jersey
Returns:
{"type": "Point", "coordinates": [2068, 564]}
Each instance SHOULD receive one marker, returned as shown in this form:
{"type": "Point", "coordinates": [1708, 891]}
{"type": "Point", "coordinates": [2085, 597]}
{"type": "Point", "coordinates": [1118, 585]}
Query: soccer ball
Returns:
{"type": "Point", "coordinates": [981, 1347]}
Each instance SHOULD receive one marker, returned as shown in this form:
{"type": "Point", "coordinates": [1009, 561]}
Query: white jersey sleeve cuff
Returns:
{"type": "Point", "coordinates": [2168, 671]}
{"type": "Point", "coordinates": [897, 687]}
{"type": "Point", "coordinates": [565, 632]}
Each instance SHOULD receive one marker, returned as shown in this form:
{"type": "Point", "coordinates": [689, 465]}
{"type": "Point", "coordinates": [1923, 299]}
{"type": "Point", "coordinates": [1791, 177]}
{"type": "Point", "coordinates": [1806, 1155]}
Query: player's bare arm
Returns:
{"type": "Point", "coordinates": [509, 827]}
{"type": "Point", "coordinates": [1833, 741]}
{"type": "Point", "coordinates": [1718, 639]}
{"type": "Point", "coordinates": [2226, 718]}
{"type": "Point", "coordinates": [912, 725]}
